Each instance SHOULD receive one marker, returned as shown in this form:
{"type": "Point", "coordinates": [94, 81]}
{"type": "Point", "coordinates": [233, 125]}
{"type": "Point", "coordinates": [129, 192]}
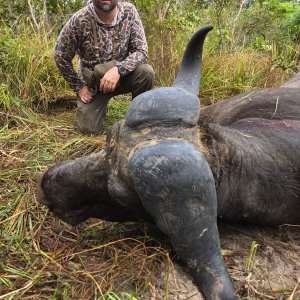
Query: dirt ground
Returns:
{"type": "Point", "coordinates": [272, 273]}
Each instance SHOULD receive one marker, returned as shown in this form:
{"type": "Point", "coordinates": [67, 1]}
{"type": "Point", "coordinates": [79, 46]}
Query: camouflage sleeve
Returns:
{"type": "Point", "coordinates": [138, 48]}
{"type": "Point", "coordinates": [65, 50]}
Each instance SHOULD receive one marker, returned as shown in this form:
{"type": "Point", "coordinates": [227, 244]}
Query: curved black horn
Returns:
{"type": "Point", "coordinates": [189, 73]}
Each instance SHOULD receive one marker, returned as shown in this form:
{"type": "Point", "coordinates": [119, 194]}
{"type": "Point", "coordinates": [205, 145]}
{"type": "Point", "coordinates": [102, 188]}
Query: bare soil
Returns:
{"type": "Point", "coordinates": [273, 273]}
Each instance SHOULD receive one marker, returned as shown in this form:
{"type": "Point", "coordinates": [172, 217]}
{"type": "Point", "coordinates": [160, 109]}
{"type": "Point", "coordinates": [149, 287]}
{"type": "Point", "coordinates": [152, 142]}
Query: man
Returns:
{"type": "Point", "coordinates": [107, 34]}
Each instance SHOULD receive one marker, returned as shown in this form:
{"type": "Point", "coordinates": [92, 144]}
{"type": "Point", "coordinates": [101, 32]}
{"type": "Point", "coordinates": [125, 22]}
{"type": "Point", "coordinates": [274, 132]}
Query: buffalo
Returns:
{"type": "Point", "coordinates": [165, 163]}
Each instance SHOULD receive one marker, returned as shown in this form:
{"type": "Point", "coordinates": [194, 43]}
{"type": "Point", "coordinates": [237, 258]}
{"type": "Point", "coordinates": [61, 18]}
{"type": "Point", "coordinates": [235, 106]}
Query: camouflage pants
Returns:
{"type": "Point", "coordinates": [91, 116]}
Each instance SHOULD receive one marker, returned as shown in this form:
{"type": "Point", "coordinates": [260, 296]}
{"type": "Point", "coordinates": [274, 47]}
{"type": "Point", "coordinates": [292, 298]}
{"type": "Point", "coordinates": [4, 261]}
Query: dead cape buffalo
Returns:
{"type": "Point", "coordinates": [166, 163]}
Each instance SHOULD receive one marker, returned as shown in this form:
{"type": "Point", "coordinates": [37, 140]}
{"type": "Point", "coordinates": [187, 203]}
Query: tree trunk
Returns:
{"type": "Point", "coordinates": [10, 9]}
{"type": "Point", "coordinates": [45, 15]}
{"type": "Point", "coordinates": [33, 15]}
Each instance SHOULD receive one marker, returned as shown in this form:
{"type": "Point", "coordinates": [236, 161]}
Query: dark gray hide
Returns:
{"type": "Point", "coordinates": [239, 161]}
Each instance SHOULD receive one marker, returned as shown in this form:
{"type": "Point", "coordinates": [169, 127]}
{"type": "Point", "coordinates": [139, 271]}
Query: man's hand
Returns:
{"type": "Point", "coordinates": [85, 95]}
{"type": "Point", "coordinates": [109, 80]}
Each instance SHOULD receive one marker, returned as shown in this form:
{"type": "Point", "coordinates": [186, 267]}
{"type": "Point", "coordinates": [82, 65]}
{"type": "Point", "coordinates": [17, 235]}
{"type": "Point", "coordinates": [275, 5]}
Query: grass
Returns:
{"type": "Point", "coordinates": [250, 261]}
{"type": "Point", "coordinates": [43, 258]}
{"type": "Point", "coordinates": [29, 76]}
{"type": "Point", "coordinates": [40, 256]}
{"type": "Point", "coordinates": [116, 110]}
{"type": "Point", "coordinates": [226, 75]}
{"type": "Point", "coordinates": [121, 296]}
{"type": "Point", "coordinates": [28, 73]}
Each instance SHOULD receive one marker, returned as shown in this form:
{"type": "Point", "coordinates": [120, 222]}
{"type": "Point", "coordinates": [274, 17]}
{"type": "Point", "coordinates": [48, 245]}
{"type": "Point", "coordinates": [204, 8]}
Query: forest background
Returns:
{"type": "Point", "coordinates": [255, 43]}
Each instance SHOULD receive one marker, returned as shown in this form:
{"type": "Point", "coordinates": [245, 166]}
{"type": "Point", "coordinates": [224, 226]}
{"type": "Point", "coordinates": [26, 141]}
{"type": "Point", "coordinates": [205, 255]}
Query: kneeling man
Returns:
{"type": "Point", "coordinates": [109, 38]}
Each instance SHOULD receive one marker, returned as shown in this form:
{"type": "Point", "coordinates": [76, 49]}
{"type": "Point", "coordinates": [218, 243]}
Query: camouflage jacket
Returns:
{"type": "Point", "coordinates": [77, 37]}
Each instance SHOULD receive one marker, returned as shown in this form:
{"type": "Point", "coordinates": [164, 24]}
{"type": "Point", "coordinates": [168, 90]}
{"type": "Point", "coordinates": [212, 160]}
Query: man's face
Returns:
{"type": "Point", "coordinates": [105, 5]}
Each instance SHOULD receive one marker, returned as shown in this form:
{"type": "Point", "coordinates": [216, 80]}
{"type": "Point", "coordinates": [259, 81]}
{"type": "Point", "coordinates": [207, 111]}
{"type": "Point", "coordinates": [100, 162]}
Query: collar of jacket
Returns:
{"type": "Point", "coordinates": [119, 16]}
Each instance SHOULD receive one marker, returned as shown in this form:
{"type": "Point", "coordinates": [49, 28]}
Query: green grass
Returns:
{"type": "Point", "coordinates": [251, 259]}
{"type": "Point", "coordinates": [28, 74]}
{"type": "Point", "coordinates": [116, 110]}
{"type": "Point", "coordinates": [119, 296]}
{"type": "Point", "coordinates": [30, 78]}
{"type": "Point", "coordinates": [226, 75]}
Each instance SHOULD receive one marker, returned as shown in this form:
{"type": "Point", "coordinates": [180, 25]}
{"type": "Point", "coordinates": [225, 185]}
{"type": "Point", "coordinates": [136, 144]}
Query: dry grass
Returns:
{"type": "Point", "coordinates": [43, 258]}
{"type": "Point", "coordinates": [223, 75]}
{"type": "Point", "coordinates": [229, 74]}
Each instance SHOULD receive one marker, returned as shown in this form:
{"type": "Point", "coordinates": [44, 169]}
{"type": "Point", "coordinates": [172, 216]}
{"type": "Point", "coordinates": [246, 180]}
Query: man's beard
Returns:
{"type": "Point", "coordinates": [106, 7]}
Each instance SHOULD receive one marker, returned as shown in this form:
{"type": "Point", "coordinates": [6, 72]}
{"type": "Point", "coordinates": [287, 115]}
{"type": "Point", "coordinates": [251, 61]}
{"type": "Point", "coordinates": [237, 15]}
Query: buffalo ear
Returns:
{"type": "Point", "coordinates": [41, 195]}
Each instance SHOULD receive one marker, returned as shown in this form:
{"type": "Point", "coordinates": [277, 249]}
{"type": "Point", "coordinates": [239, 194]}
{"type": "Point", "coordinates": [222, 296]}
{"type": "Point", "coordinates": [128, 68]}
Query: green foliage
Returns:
{"type": "Point", "coordinates": [119, 296]}
{"type": "Point", "coordinates": [287, 18]}
{"type": "Point", "coordinates": [21, 8]}
{"type": "Point", "coordinates": [284, 57]}
{"type": "Point", "coordinates": [116, 110]}
{"type": "Point", "coordinates": [28, 74]}
{"type": "Point", "coordinates": [169, 25]}
{"type": "Point", "coordinates": [251, 259]}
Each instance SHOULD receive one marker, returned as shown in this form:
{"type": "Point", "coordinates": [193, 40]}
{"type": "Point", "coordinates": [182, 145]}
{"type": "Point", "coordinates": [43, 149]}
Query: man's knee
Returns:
{"type": "Point", "coordinates": [141, 80]}
{"type": "Point", "coordinates": [145, 72]}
